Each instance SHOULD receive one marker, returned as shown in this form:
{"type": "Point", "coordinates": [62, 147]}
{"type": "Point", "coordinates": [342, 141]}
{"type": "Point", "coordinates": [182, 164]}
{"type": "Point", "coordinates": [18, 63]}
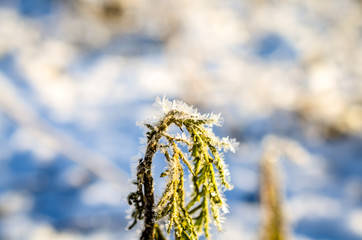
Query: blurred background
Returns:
{"type": "Point", "coordinates": [76, 76]}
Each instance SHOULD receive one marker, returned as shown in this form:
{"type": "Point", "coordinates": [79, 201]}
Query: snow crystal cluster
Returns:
{"type": "Point", "coordinates": [164, 106]}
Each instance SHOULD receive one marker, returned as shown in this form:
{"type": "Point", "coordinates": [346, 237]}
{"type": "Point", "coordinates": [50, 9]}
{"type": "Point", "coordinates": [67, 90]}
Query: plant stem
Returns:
{"type": "Point", "coordinates": [148, 231]}
{"type": "Point", "coordinates": [149, 213]}
{"type": "Point", "coordinates": [274, 227]}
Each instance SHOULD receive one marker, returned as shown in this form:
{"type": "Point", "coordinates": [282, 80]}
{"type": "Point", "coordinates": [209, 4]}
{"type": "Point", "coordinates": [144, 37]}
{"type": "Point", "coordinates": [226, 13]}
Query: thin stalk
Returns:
{"type": "Point", "coordinates": [148, 232]}
{"type": "Point", "coordinates": [274, 225]}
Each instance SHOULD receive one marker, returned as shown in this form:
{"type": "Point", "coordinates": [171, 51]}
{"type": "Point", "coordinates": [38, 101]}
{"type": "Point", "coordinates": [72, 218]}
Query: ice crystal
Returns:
{"type": "Point", "coordinates": [164, 106]}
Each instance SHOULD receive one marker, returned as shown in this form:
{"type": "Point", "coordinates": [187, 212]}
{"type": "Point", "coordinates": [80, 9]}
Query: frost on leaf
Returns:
{"type": "Point", "coordinates": [195, 149]}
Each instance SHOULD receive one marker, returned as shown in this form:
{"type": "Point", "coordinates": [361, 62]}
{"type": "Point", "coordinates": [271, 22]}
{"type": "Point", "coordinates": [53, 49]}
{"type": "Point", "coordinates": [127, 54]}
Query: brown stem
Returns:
{"type": "Point", "coordinates": [149, 213]}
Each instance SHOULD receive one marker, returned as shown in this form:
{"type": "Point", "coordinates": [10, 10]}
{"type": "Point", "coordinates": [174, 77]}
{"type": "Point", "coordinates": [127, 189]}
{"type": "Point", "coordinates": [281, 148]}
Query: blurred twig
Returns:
{"type": "Point", "coordinates": [274, 223]}
{"type": "Point", "coordinates": [16, 108]}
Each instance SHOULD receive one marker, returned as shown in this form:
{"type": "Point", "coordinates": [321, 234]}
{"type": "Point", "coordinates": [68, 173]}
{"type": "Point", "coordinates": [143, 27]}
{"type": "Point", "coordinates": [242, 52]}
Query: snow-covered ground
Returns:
{"type": "Point", "coordinates": [76, 76]}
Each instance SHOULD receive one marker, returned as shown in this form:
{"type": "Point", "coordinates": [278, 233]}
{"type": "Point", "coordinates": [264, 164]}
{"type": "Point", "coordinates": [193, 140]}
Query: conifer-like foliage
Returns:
{"type": "Point", "coordinates": [187, 218]}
